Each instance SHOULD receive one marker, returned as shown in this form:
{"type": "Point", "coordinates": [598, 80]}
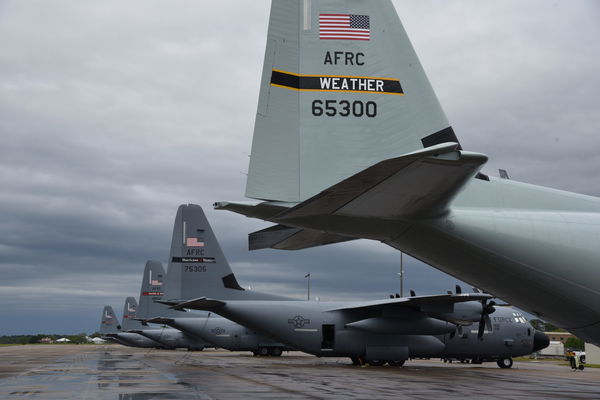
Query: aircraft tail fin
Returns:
{"type": "Point", "coordinates": [152, 290]}
{"type": "Point", "coordinates": [129, 315]}
{"type": "Point", "coordinates": [109, 322]}
{"type": "Point", "coordinates": [197, 265]}
{"type": "Point", "coordinates": [342, 89]}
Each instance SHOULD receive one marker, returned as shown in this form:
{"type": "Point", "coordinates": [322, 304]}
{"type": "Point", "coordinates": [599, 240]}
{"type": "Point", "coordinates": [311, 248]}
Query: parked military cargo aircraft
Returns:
{"type": "Point", "coordinates": [134, 333]}
{"type": "Point", "coordinates": [152, 289]}
{"type": "Point", "coordinates": [213, 330]}
{"type": "Point", "coordinates": [112, 330]}
{"type": "Point", "coordinates": [351, 142]}
{"type": "Point", "coordinates": [383, 330]}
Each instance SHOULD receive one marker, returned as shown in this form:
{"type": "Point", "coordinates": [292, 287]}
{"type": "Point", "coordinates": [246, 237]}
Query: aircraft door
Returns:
{"type": "Point", "coordinates": [328, 336]}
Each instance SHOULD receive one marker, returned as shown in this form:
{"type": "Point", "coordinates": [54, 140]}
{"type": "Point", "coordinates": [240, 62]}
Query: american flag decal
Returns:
{"type": "Point", "coordinates": [344, 27]}
{"type": "Point", "coordinates": [194, 242]}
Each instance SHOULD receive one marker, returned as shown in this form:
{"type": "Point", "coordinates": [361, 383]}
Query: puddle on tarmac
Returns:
{"type": "Point", "coordinates": [98, 376]}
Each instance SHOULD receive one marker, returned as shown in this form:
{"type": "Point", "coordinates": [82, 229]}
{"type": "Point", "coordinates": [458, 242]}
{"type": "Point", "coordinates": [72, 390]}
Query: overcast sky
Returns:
{"type": "Point", "coordinates": [113, 113]}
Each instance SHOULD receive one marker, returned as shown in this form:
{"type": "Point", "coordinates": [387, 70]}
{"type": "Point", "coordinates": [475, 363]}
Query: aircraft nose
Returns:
{"type": "Point", "coordinates": [540, 341]}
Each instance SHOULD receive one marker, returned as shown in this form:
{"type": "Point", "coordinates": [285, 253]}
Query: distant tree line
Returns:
{"type": "Point", "coordinates": [30, 339]}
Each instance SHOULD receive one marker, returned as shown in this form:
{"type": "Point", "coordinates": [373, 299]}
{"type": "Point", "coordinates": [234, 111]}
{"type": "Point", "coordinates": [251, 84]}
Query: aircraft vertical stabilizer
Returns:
{"type": "Point", "coordinates": [342, 89]}
{"type": "Point", "coordinates": [197, 265]}
{"type": "Point", "coordinates": [129, 315]}
{"type": "Point", "coordinates": [153, 289]}
{"type": "Point", "coordinates": [109, 322]}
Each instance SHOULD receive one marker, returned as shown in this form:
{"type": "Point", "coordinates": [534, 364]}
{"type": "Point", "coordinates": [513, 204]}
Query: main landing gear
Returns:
{"type": "Point", "coordinates": [268, 351]}
{"type": "Point", "coordinates": [377, 363]}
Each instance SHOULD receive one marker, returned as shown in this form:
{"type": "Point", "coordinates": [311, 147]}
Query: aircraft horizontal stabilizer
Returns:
{"type": "Point", "coordinates": [169, 302]}
{"type": "Point", "coordinates": [253, 209]}
{"type": "Point", "coordinates": [201, 303]}
{"type": "Point", "coordinates": [440, 300]}
{"type": "Point", "coordinates": [160, 320]}
{"type": "Point", "coordinates": [288, 238]}
{"type": "Point", "coordinates": [416, 184]}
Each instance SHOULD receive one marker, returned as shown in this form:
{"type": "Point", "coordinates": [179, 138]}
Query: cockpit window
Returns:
{"type": "Point", "coordinates": [519, 319]}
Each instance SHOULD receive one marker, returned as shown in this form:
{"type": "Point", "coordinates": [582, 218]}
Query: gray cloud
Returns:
{"type": "Point", "coordinates": [112, 114]}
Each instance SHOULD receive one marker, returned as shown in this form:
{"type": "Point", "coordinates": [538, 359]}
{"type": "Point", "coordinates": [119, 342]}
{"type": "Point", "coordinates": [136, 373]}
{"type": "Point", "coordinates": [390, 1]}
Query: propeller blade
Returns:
{"type": "Point", "coordinates": [489, 309]}
{"type": "Point", "coordinates": [488, 323]}
{"type": "Point", "coordinates": [486, 310]}
{"type": "Point", "coordinates": [481, 327]}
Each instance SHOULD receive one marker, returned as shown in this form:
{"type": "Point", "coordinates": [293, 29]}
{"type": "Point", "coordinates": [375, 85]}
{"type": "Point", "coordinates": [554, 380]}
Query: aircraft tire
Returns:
{"type": "Point", "coordinates": [275, 351]}
{"type": "Point", "coordinates": [506, 362]}
{"type": "Point", "coordinates": [396, 363]}
{"type": "Point", "coordinates": [376, 363]}
{"type": "Point", "coordinates": [263, 351]}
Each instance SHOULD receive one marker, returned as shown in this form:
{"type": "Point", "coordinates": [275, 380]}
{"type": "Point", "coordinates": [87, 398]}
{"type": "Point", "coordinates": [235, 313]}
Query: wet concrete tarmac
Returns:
{"type": "Point", "coordinates": [117, 372]}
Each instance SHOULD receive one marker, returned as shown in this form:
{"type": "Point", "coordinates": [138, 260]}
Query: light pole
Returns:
{"type": "Point", "coordinates": [308, 286]}
{"type": "Point", "coordinates": [401, 273]}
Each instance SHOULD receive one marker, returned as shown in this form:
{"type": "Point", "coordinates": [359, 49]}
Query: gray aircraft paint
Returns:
{"type": "Point", "coordinates": [110, 326]}
{"type": "Point", "coordinates": [109, 323]}
{"type": "Point", "coordinates": [197, 266]}
{"type": "Point", "coordinates": [132, 332]}
{"type": "Point", "coordinates": [129, 313]}
{"type": "Point", "coordinates": [112, 330]}
{"type": "Point", "coordinates": [151, 291]}
{"type": "Point", "coordinates": [301, 325]}
{"type": "Point", "coordinates": [290, 153]}
{"type": "Point", "coordinates": [196, 258]}
{"type": "Point", "coordinates": [532, 246]}
{"type": "Point", "coordinates": [396, 328]}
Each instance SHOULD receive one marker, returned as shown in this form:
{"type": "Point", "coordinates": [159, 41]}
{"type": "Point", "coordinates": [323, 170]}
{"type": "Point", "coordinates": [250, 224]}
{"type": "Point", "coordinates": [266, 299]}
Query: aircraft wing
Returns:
{"type": "Point", "coordinates": [201, 303]}
{"type": "Point", "coordinates": [435, 302]}
{"type": "Point", "coordinates": [420, 183]}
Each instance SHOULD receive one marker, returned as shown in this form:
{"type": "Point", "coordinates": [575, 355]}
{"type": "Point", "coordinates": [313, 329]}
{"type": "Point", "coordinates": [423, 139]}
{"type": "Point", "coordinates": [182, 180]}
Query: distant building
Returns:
{"type": "Point", "coordinates": [62, 340]}
{"type": "Point", "coordinates": [555, 349]}
{"type": "Point", "coordinates": [46, 340]}
{"type": "Point", "coordinates": [559, 336]}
